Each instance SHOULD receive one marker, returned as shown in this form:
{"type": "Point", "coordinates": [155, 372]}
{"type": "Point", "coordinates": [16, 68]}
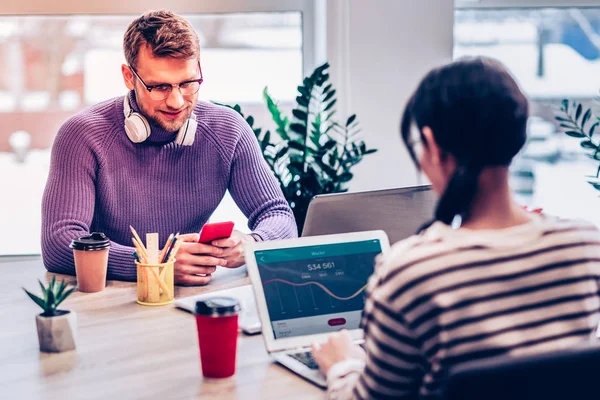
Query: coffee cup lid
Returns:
{"type": "Point", "coordinates": [218, 306]}
{"type": "Point", "coordinates": [95, 241]}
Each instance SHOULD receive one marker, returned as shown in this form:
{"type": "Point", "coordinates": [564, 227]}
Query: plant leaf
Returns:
{"type": "Point", "coordinates": [50, 301]}
{"type": "Point", "coordinates": [301, 115]}
{"type": "Point", "coordinates": [578, 111]}
{"type": "Point", "coordinates": [64, 296]}
{"type": "Point", "coordinates": [303, 91]}
{"type": "Point", "coordinates": [302, 101]}
{"type": "Point", "coordinates": [266, 141]}
{"type": "Point", "coordinates": [351, 119]}
{"type": "Point", "coordinates": [569, 126]}
{"type": "Point", "coordinates": [281, 152]}
{"type": "Point", "coordinates": [575, 134]}
{"type": "Point", "coordinates": [296, 146]}
{"type": "Point", "coordinates": [328, 170]}
{"type": "Point", "coordinates": [40, 302]}
{"type": "Point", "coordinates": [61, 287]}
{"type": "Point", "coordinates": [331, 104]}
{"type": "Point", "coordinates": [595, 156]}
{"type": "Point", "coordinates": [586, 117]}
{"type": "Point", "coordinates": [51, 287]}
{"type": "Point", "coordinates": [329, 96]}
{"type": "Point", "coordinates": [281, 122]}
{"type": "Point", "coordinates": [298, 128]}
{"type": "Point", "coordinates": [593, 129]}
{"type": "Point", "coordinates": [345, 177]}
{"type": "Point", "coordinates": [321, 68]}
{"type": "Point", "coordinates": [587, 144]}
{"type": "Point", "coordinates": [43, 289]}
{"type": "Point", "coordinates": [329, 145]}
{"type": "Point", "coordinates": [330, 115]}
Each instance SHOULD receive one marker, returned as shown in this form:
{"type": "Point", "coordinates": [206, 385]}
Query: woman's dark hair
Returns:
{"type": "Point", "coordinates": [477, 114]}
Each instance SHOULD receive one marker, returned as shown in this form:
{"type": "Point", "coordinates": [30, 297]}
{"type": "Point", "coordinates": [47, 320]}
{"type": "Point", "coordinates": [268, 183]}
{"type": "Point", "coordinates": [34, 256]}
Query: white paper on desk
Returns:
{"type": "Point", "coordinates": [248, 321]}
{"type": "Point", "coordinates": [228, 274]}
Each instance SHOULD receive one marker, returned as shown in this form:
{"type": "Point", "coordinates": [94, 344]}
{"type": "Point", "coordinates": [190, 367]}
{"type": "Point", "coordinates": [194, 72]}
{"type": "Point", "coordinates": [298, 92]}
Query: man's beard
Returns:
{"type": "Point", "coordinates": [169, 126]}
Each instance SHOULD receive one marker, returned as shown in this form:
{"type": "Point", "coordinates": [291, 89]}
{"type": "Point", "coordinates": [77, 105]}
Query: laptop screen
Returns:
{"type": "Point", "coordinates": [316, 289]}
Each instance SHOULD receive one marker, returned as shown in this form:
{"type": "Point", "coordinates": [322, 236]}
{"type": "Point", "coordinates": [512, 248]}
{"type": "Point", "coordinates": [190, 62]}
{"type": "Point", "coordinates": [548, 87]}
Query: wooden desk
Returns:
{"type": "Point", "coordinates": [125, 350]}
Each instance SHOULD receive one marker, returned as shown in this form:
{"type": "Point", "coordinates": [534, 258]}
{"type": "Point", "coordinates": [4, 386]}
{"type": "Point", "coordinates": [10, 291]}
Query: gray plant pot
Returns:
{"type": "Point", "coordinates": [58, 333]}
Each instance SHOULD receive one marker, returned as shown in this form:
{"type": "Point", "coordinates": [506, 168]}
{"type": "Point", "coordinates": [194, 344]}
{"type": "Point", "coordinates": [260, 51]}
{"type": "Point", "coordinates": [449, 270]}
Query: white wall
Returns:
{"type": "Point", "coordinates": [379, 50]}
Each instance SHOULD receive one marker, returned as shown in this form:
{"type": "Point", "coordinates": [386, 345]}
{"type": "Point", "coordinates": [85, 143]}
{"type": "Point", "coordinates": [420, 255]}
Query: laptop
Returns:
{"type": "Point", "coordinates": [306, 288]}
{"type": "Point", "coordinates": [399, 212]}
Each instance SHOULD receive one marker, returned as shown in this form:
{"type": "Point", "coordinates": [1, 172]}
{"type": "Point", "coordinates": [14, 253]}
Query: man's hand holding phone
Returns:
{"type": "Point", "coordinates": [195, 262]}
{"type": "Point", "coordinates": [233, 248]}
{"type": "Point", "coordinates": [200, 254]}
{"type": "Point", "coordinates": [222, 235]}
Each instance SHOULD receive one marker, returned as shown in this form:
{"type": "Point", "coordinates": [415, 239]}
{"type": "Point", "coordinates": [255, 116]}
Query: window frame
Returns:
{"type": "Point", "coordinates": [524, 5]}
{"type": "Point", "coordinates": [310, 44]}
{"type": "Point", "coordinates": [312, 24]}
{"type": "Point", "coordinates": [469, 4]}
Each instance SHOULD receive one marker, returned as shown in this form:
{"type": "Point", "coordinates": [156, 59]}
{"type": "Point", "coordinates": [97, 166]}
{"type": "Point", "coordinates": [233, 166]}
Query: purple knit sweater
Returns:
{"type": "Point", "coordinates": [100, 181]}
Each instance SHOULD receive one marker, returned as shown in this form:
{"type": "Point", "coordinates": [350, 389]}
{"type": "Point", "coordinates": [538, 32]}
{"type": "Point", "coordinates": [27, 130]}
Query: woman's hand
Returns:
{"type": "Point", "coordinates": [339, 347]}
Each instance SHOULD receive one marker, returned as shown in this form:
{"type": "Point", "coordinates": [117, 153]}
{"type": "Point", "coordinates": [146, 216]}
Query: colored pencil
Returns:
{"type": "Point", "coordinates": [161, 258]}
{"type": "Point", "coordinates": [140, 250]}
{"type": "Point", "coordinates": [138, 238]}
{"type": "Point", "coordinates": [174, 251]}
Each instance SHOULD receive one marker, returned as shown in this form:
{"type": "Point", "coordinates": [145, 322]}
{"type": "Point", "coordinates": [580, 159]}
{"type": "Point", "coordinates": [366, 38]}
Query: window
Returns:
{"type": "Point", "coordinates": [52, 66]}
{"type": "Point", "coordinates": [554, 53]}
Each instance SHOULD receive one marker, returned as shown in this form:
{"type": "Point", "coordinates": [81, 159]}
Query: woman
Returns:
{"type": "Point", "coordinates": [486, 278]}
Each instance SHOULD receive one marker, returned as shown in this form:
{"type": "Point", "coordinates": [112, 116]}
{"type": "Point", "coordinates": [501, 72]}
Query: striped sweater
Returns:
{"type": "Point", "coordinates": [447, 296]}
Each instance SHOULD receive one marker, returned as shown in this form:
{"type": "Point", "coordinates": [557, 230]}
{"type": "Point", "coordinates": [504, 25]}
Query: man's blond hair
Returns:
{"type": "Point", "coordinates": [165, 33]}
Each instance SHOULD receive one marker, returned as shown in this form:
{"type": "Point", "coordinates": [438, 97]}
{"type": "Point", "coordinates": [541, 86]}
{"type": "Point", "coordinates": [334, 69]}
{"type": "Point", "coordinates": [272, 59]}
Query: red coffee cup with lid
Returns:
{"type": "Point", "coordinates": [217, 323]}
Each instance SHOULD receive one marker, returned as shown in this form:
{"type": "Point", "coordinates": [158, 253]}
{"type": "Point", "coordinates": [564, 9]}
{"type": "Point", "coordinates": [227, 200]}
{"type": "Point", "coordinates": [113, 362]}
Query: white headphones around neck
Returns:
{"type": "Point", "coordinates": [138, 128]}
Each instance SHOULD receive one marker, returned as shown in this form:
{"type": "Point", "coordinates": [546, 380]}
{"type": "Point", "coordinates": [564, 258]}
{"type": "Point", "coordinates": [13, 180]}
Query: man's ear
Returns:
{"type": "Point", "coordinates": [127, 76]}
{"type": "Point", "coordinates": [434, 150]}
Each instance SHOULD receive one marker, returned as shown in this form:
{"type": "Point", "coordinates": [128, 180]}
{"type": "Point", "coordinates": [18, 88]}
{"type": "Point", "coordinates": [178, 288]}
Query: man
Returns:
{"type": "Point", "coordinates": [160, 161]}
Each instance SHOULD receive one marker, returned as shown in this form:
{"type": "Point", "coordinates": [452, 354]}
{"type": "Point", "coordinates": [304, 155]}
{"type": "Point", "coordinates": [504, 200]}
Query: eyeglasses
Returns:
{"type": "Point", "coordinates": [162, 91]}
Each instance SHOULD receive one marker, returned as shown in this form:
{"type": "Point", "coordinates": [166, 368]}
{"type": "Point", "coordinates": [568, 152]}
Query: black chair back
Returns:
{"type": "Point", "coordinates": [562, 375]}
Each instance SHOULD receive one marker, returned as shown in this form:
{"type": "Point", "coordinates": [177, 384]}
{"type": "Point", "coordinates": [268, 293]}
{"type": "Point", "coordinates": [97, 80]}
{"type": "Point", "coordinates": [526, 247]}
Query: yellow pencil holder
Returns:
{"type": "Point", "coordinates": [155, 283]}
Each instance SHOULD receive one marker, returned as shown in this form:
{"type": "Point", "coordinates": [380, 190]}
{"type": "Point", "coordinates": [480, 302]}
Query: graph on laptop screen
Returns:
{"type": "Point", "coordinates": [316, 289]}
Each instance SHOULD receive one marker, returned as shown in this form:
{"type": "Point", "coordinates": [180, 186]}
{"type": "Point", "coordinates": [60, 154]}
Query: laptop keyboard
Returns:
{"type": "Point", "coordinates": [305, 358]}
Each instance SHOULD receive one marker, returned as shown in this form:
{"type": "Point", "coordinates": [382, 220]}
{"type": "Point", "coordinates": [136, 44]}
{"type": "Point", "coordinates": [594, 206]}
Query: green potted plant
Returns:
{"type": "Point", "coordinates": [311, 152]}
{"type": "Point", "coordinates": [580, 122]}
{"type": "Point", "coordinates": [56, 328]}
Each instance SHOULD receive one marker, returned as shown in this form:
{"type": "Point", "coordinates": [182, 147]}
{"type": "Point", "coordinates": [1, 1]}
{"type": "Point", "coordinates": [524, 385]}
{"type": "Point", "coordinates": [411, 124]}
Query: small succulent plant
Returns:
{"type": "Point", "coordinates": [53, 295]}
